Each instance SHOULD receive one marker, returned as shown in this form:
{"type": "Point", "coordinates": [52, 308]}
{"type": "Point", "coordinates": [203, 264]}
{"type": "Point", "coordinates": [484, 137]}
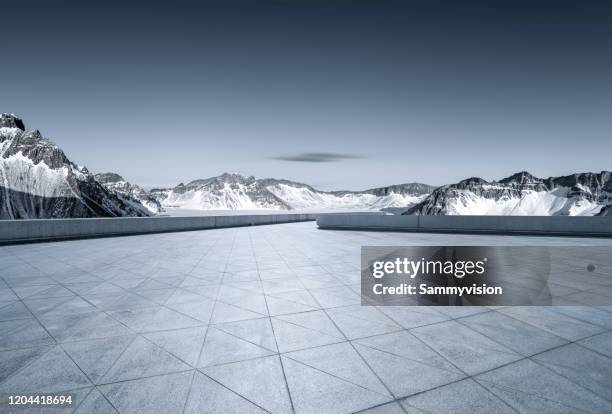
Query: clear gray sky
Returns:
{"type": "Point", "coordinates": [337, 94]}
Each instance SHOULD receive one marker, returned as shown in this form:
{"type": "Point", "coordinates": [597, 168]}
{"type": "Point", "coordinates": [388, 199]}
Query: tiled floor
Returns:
{"type": "Point", "coordinates": [268, 319]}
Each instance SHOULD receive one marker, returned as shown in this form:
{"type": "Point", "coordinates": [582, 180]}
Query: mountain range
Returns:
{"type": "Point", "coordinates": [37, 180]}
{"type": "Point", "coordinates": [521, 194]}
{"type": "Point", "coordinates": [232, 191]}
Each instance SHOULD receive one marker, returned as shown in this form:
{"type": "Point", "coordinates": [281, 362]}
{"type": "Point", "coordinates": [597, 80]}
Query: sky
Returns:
{"type": "Point", "coordinates": [336, 94]}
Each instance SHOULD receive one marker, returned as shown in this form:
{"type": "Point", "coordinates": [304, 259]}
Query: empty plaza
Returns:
{"type": "Point", "coordinates": [269, 319]}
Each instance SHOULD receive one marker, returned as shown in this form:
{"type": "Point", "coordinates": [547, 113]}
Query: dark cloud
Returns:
{"type": "Point", "coordinates": [317, 157]}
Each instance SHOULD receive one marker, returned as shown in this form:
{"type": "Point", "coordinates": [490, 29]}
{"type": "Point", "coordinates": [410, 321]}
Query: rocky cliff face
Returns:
{"type": "Point", "coordinates": [37, 180]}
{"type": "Point", "coordinates": [522, 194]}
{"type": "Point", "coordinates": [606, 211]}
{"type": "Point", "coordinates": [128, 192]}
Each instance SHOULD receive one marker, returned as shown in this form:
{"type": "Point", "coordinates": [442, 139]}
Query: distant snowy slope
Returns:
{"type": "Point", "coordinates": [522, 194]}
{"type": "Point", "coordinates": [128, 192]}
{"type": "Point", "coordinates": [231, 191]}
{"type": "Point", "coordinates": [37, 180]}
{"type": "Point", "coordinates": [228, 191]}
{"type": "Point", "coordinates": [301, 196]}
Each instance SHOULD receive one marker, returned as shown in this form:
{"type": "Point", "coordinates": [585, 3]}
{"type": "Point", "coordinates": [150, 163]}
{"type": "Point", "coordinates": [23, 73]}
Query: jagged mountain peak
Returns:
{"type": "Point", "coordinates": [470, 182]}
{"type": "Point", "coordinates": [278, 181]}
{"type": "Point", "coordinates": [108, 177]}
{"type": "Point", "coordinates": [228, 191]}
{"type": "Point", "coordinates": [522, 177]}
{"type": "Point", "coordinates": [233, 175]}
{"type": "Point", "coordinates": [601, 179]}
{"type": "Point", "coordinates": [11, 121]}
{"type": "Point", "coordinates": [225, 178]}
{"type": "Point", "coordinates": [130, 193]}
{"type": "Point", "coordinates": [31, 144]}
{"type": "Point", "coordinates": [406, 188]}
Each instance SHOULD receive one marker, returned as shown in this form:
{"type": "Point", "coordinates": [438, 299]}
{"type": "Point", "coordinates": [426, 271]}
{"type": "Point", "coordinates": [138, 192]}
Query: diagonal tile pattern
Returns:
{"type": "Point", "coordinates": [268, 319]}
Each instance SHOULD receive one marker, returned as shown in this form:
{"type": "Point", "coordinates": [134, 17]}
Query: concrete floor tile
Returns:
{"type": "Point", "coordinates": [222, 348]}
{"type": "Point", "coordinates": [291, 302]}
{"type": "Point", "coordinates": [600, 317]}
{"type": "Point", "coordinates": [14, 360]}
{"type": "Point", "coordinates": [601, 343]}
{"type": "Point", "coordinates": [184, 344]}
{"type": "Point", "coordinates": [23, 333]}
{"type": "Point", "coordinates": [258, 380]}
{"type": "Point", "coordinates": [315, 391]}
{"type": "Point", "coordinates": [7, 295]}
{"type": "Point", "coordinates": [200, 311]}
{"type": "Point", "coordinates": [413, 316]}
{"type": "Point", "coordinates": [256, 331]}
{"type": "Point", "coordinates": [95, 403]}
{"type": "Point", "coordinates": [14, 310]}
{"type": "Point", "coordinates": [97, 356]}
{"type": "Point", "coordinates": [389, 408]}
{"type": "Point", "coordinates": [304, 330]}
{"type": "Point", "coordinates": [467, 349]}
{"type": "Point", "coordinates": [228, 313]}
{"type": "Point", "coordinates": [52, 372]}
{"type": "Point", "coordinates": [142, 358]}
{"type": "Point", "coordinates": [530, 387]}
{"type": "Point", "coordinates": [361, 321]}
{"type": "Point", "coordinates": [582, 366]}
{"type": "Point", "coordinates": [514, 334]}
{"type": "Point", "coordinates": [40, 292]}
{"type": "Point", "coordinates": [462, 397]}
{"type": "Point", "coordinates": [405, 364]}
{"type": "Point", "coordinates": [339, 296]}
{"type": "Point", "coordinates": [60, 306]}
{"type": "Point", "coordinates": [554, 322]}
{"type": "Point", "coordinates": [341, 361]}
{"type": "Point", "coordinates": [248, 300]}
{"type": "Point", "coordinates": [208, 396]}
{"type": "Point", "coordinates": [159, 394]}
{"type": "Point", "coordinates": [83, 326]}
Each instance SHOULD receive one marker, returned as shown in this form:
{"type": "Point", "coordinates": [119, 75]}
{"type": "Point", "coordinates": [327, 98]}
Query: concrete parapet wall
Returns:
{"type": "Point", "coordinates": [553, 225]}
{"type": "Point", "coordinates": [12, 231]}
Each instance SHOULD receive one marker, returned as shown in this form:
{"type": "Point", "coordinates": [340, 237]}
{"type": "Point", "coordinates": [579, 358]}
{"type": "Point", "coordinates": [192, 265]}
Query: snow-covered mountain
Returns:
{"type": "Point", "coordinates": [225, 192]}
{"type": "Point", "coordinates": [522, 194]}
{"type": "Point", "coordinates": [302, 196]}
{"type": "Point", "coordinates": [37, 180]}
{"type": "Point", "coordinates": [231, 191]}
{"type": "Point", "coordinates": [128, 192]}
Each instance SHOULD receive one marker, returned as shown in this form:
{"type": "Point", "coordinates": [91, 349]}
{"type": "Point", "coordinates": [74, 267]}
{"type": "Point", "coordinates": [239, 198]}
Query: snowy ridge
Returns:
{"type": "Point", "coordinates": [308, 198]}
{"type": "Point", "coordinates": [232, 191]}
{"type": "Point", "coordinates": [522, 194]}
{"type": "Point", "coordinates": [229, 191]}
{"type": "Point", "coordinates": [128, 192]}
